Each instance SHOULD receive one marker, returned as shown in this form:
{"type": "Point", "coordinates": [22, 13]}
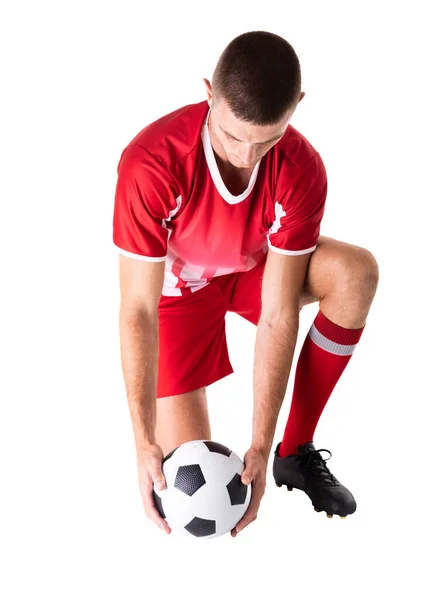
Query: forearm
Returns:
{"type": "Point", "coordinates": [139, 357]}
{"type": "Point", "coordinates": [274, 349]}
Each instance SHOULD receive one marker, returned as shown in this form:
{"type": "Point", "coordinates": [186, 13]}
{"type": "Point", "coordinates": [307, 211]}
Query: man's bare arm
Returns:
{"type": "Point", "coordinates": [140, 284]}
{"type": "Point", "coordinates": [276, 337]}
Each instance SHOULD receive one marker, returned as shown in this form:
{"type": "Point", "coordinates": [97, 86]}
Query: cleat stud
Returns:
{"type": "Point", "coordinates": [278, 484]}
{"type": "Point", "coordinates": [343, 516]}
{"type": "Point", "coordinates": [329, 515]}
{"type": "Point", "coordinates": [317, 509]}
{"type": "Point", "coordinates": [290, 488]}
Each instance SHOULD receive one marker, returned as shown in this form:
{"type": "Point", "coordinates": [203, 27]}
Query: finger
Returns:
{"type": "Point", "coordinates": [155, 517]}
{"type": "Point", "coordinates": [152, 511]}
{"type": "Point", "coordinates": [247, 477]}
{"type": "Point", "coordinates": [158, 478]}
{"type": "Point", "coordinates": [159, 483]}
{"type": "Point", "coordinates": [243, 523]}
{"type": "Point", "coordinates": [250, 517]}
{"type": "Point", "coordinates": [153, 514]}
{"type": "Point", "coordinates": [252, 510]}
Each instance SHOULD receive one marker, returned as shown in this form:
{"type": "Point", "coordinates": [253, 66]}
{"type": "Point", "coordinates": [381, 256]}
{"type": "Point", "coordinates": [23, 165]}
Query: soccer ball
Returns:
{"type": "Point", "coordinates": [204, 495]}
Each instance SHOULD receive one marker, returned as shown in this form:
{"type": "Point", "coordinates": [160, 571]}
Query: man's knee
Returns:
{"type": "Point", "coordinates": [357, 267]}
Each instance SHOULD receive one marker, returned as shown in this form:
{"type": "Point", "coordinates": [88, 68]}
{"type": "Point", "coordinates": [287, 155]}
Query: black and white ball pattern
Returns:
{"type": "Point", "coordinates": [204, 496]}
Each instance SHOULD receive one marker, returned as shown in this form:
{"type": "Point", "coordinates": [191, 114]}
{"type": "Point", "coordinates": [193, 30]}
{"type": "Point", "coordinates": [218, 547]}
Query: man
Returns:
{"type": "Point", "coordinates": [218, 208]}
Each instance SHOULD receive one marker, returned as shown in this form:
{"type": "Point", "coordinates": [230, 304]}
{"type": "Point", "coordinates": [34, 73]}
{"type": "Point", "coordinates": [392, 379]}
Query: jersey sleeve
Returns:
{"type": "Point", "coordinates": [146, 197]}
{"type": "Point", "coordinates": [299, 210]}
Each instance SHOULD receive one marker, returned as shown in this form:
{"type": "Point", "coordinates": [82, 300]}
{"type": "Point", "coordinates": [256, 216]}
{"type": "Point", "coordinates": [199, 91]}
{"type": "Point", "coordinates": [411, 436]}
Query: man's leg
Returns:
{"type": "Point", "coordinates": [193, 354]}
{"type": "Point", "coordinates": [344, 278]}
{"type": "Point", "coordinates": [181, 419]}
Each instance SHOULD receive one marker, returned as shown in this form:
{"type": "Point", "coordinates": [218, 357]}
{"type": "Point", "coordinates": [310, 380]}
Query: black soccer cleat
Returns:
{"type": "Point", "coordinates": [307, 471]}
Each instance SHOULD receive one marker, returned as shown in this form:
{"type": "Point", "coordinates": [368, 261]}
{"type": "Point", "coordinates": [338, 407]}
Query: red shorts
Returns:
{"type": "Point", "coordinates": [193, 352]}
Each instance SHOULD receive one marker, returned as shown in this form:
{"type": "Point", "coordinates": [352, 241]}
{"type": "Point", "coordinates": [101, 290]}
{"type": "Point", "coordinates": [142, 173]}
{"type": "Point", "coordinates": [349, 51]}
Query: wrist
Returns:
{"type": "Point", "coordinates": [262, 448]}
{"type": "Point", "coordinates": [145, 445]}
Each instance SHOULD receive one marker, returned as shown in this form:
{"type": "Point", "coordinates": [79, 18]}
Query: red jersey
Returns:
{"type": "Point", "coordinates": [172, 205]}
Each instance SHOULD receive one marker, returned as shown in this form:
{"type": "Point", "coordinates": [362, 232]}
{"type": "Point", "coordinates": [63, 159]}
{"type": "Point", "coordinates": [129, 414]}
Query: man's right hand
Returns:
{"type": "Point", "coordinates": [150, 475]}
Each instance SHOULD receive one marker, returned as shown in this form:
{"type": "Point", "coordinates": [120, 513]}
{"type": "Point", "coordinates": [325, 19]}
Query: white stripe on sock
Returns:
{"type": "Point", "coordinates": [328, 345]}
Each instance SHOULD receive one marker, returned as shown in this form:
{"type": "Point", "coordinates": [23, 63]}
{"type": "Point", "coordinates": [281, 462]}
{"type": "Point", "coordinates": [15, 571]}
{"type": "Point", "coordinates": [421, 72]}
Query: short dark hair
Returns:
{"type": "Point", "coordinates": [258, 75]}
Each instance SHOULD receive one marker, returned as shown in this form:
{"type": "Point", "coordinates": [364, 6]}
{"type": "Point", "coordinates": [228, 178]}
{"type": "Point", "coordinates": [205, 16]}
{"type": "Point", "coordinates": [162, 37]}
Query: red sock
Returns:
{"type": "Point", "coordinates": [325, 354]}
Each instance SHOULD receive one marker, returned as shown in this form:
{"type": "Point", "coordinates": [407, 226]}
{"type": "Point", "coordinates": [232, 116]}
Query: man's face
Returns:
{"type": "Point", "coordinates": [244, 143]}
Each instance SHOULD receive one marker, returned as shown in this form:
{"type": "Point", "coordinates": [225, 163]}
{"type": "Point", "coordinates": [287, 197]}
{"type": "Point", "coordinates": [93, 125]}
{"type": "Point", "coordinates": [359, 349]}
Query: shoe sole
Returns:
{"type": "Point", "coordinates": [329, 515]}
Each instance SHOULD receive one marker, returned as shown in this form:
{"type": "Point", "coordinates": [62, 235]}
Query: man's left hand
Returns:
{"type": "Point", "coordinates": [255, 472]}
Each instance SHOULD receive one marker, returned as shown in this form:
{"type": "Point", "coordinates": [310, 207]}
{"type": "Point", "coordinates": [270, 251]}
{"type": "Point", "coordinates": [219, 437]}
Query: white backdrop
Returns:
{"type": "Point", "coordinates": [80, 79]}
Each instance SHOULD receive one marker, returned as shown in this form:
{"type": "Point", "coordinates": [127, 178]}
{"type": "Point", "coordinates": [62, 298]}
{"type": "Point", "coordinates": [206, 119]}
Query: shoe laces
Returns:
{"type": "Point", "coordinates": [313, 461]}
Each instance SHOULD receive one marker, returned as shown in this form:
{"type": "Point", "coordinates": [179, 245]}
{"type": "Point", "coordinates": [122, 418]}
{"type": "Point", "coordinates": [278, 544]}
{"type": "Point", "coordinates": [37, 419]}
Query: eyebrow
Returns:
{"type": "Point", "coordinates": [266, 142]}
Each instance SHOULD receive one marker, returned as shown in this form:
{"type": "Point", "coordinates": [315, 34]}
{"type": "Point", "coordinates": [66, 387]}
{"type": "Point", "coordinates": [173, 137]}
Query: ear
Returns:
{"type": "Point", "coordinates": [208, 89]}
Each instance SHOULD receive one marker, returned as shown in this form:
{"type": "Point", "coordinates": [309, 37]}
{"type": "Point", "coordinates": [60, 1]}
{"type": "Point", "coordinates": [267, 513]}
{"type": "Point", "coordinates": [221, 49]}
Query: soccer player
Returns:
{"type": "Point", "coordinates": [218, 208]}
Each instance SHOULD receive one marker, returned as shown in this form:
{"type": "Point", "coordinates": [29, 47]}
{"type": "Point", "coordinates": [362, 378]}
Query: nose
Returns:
{"type": "Point", "coordinates": [248, 157]}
